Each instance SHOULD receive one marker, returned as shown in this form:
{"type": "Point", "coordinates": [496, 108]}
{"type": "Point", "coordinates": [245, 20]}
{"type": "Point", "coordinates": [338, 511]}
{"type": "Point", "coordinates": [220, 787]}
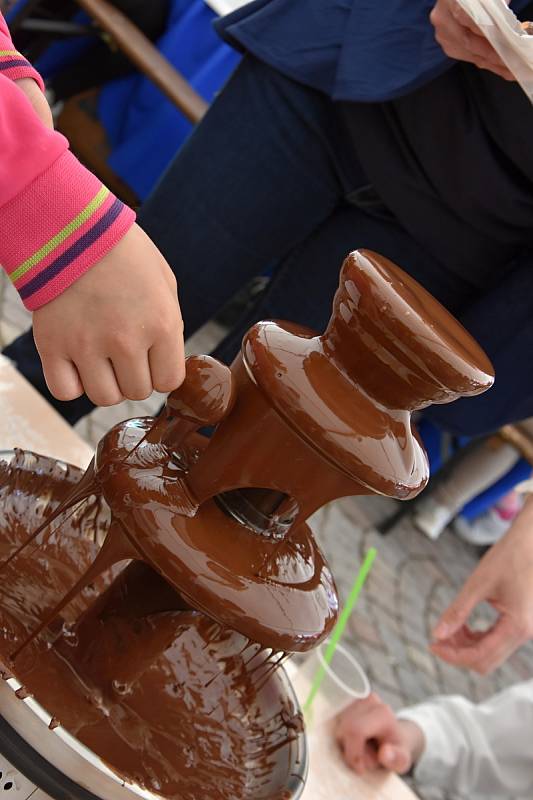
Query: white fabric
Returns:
{"type": "Point", "coordinates": [222, 7]}
{"type": "Point", "coordinates": [481, 752]}
{"type": "Point", "coordinates": [503, 30]}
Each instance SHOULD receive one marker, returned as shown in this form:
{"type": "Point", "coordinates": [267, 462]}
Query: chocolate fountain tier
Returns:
{"type": "Point", "coordinates": [204, 714]}
{"type": "Point", "coordinates": [390, 349]}
{"type": "Point", "coordinates": [277, 591]}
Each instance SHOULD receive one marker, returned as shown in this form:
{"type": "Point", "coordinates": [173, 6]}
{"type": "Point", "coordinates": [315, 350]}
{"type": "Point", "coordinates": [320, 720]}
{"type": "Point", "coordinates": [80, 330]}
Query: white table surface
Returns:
{"type": "Point", "coordinates": [28, 421]}
{"type": "Point", "coordinates": [329, 778]}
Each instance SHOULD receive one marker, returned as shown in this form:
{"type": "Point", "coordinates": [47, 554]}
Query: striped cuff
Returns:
{"type": "Point", "coordinates": [14, 66]}
{"type": "Point", "coordinates": [63, 223]}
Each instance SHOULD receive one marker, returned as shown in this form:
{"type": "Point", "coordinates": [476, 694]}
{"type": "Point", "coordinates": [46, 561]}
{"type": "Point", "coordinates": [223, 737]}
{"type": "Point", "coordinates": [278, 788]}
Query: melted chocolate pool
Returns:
{"type": "Point", "coordinates": [203, 715]}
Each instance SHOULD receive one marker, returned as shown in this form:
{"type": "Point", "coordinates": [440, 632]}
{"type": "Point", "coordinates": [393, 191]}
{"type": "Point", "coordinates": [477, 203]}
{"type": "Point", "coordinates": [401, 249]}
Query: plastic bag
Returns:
{"type": "Point", "coordinates": [505, 33]}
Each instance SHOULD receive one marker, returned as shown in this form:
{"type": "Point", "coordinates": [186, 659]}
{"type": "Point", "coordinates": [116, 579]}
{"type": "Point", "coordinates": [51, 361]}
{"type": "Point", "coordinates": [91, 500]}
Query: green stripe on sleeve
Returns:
{"type": "Point", "coordinates": [60, 237]}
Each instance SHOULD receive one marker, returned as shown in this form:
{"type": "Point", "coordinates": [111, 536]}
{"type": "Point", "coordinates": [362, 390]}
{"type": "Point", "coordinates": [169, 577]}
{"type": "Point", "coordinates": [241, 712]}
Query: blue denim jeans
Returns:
{"type": "Point", "coordinates": [268, 181]}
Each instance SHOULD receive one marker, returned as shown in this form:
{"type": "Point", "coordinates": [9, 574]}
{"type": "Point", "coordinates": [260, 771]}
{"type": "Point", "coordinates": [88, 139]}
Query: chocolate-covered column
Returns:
{"type": "Point", "coordinates": [126, 629]}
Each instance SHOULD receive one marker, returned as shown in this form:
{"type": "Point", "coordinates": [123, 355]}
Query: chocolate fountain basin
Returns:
{"type": "Point", "coordinates": [60, 766]}
{"type": "Point", "coordinates": [43, 754]}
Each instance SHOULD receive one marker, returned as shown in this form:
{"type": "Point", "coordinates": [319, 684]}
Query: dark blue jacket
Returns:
{"type": "Point", "coordinates": [363, 50]}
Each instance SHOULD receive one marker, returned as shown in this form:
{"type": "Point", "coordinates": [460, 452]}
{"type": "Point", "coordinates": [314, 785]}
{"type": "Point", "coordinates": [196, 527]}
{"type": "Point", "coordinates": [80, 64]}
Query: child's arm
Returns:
{"type": "Point", "coordinates": [56, 218]}
{"type": "Point", "coordinates": [106, 315]}
{"type": "Point", "coordinates": [12, 64]}
{"type": "Point", "coordinates": [473, 750]}
{"type": "Point", "coordinates": [478, 750]}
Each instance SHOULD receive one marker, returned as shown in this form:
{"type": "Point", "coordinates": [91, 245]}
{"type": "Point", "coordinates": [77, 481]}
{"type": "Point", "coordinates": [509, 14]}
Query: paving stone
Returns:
{"type": "Point", "coordinates": [205, 340]}
{"type": "Point", "coordinates": [412, 612]}
{"type": "Point", "coordinates": [415, 688]}
{"type": "Point", "coordinates": [484, 687]}
{"type": "Point", "coordinates": [394, 644]}
{"type": "Point", "coordinates": [454, 681]}
{"type": "Point", "coordinates": [354, 511]}
{"type": "Point", "coordinates": [414, 636]}
{"type": "Point", "coordinates": [395, 699]}
{"type": "Point", "coordinates": [380, 667]}
{"type": "Point", "coordinates": [422, 660]}
{"type": "Point", "coordinates": [84, 429]}
{"type": "Point", "coordinates": [387, 607]}
{"type": "Point", "coordinates": [522, 664]}
{"type": "Point", "coordinates": [360, 628]}
{"type": "Point", "coordinates": [375, 509]}
{"type": "Point", "coordinates": [429, 792]}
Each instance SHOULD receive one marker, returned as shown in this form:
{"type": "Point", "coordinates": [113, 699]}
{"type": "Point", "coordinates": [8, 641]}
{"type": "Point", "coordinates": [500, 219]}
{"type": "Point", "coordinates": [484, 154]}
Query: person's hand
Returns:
{"type": "Point", "coordinates": [117, 332]}
{"type": "Point", "coordinates": [461, 39]}
{"type": "Point", "coordinates": [503, 578]}
{"type": "Point", "coordinates": [372, 738]}
{"type": "Point", "coordinates": [37, 99]}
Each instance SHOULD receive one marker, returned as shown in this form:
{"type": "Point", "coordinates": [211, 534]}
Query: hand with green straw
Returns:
{"type": "Point", "coordinates": [338, 630]}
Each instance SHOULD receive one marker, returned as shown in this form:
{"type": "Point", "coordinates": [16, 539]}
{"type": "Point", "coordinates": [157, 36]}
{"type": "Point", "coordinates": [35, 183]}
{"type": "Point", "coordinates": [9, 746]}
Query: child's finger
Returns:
{"type": "Point", "coordinates": [394, 758]}
{"type": "Point", "coordinates": [354, 755]}
{"type": "Point", "coordinates": [167, 362]}
{"type": "Point", "coordinates": [370, 757]}
{"type": "Point", "coordinates": [62, 377]}
{"type": "Point", "coordinates": [99, 381]}
{"type": "Point", "coordinates": [132, 371]}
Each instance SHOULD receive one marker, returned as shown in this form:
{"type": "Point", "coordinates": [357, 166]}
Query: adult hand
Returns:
{"type": "Point", "coordinates": [503, 578]}
{"type": "Point", "coordinates": [116, 332]}
{"type": "Point", "coordinates": [461, 39]}
{"type": "Point", "coordinates": [372, 738]}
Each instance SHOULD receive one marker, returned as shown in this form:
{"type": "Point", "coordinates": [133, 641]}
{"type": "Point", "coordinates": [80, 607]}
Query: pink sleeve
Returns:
{"type": "Point", "coordinates": [56, 218]}
{"type": "Point", "coordinates": [12, 64]}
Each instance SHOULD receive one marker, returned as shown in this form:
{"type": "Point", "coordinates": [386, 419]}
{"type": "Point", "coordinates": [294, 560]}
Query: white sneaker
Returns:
{"type": "Point", "coordinates": [484, 530]}
{"type": "Point", "coordinates": [432, 517]}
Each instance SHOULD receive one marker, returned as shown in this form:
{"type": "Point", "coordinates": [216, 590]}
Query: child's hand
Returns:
{"type": "Point", "coordinates": [371, 738]}
{"type": "Point", "coordinates": [37, 99]}
{"type": "Point", "coordinates": [117, 332]}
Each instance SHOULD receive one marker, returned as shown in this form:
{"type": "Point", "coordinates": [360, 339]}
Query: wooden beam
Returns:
{"type": "Point", "coordinates": [146, 57]}
{"type": "Point", "coordinates": [519, 438]}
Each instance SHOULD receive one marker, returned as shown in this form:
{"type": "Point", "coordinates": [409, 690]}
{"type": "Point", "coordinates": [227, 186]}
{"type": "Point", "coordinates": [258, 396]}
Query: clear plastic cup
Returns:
{"type": "Point", "coordinates": [344, 681]}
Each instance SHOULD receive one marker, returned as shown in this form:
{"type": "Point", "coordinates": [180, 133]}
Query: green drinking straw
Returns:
{"type": "Point", "coordinates": [338, 630]}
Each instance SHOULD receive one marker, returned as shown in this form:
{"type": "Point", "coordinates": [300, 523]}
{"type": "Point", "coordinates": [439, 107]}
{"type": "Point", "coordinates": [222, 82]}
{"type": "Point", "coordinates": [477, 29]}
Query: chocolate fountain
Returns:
{"type": "Point", "coordinates": [147, 606]}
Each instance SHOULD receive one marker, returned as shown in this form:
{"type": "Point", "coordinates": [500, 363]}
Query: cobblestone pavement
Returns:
{"type": "Point", "coordinates": [411, 583]}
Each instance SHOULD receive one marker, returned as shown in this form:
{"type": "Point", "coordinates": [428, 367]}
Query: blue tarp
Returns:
{"type": "Point", "coordinates": [145, 130]}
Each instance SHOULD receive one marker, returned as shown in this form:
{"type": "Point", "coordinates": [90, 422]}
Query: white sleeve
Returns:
{"type": "Point", "coordinates": [484, 749]}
